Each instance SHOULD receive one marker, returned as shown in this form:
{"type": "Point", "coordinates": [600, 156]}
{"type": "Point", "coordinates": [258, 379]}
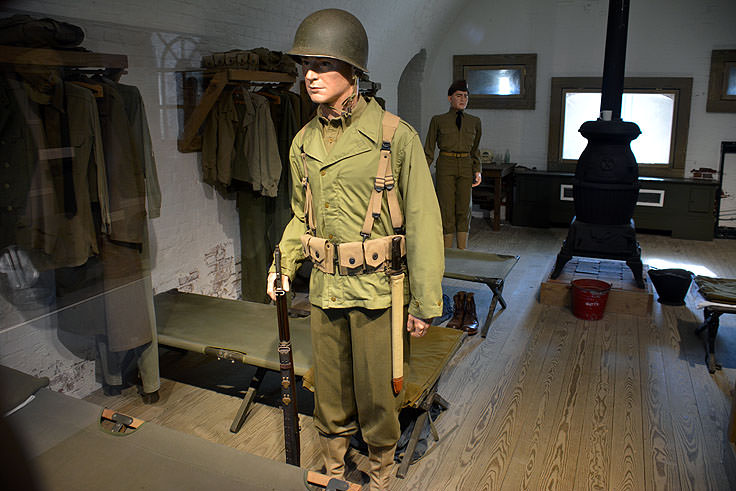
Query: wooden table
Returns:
{"type": "Point", "coordinates": [496, 173]}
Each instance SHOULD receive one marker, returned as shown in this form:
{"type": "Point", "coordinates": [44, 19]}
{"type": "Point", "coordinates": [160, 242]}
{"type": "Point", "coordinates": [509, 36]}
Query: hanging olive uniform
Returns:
{"type": "Point", "coordinates": [457, 163]}
{"type": "Point", "coordinates": [240, 151]}
{"type": "Point", "coordinates": [349, 286]}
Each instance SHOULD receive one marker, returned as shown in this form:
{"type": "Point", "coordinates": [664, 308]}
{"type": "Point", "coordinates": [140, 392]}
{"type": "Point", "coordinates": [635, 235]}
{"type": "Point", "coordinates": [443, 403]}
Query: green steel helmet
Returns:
{"type": "Point", "coordinates": [332, 33]}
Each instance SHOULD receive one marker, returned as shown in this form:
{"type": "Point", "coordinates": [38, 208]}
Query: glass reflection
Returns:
{"type": "Point", "coordinates": [79, 183]}
{"type": "Point", "coordinates": [494, 81]}
{"type": "Point", "coordinates": [731, 81]}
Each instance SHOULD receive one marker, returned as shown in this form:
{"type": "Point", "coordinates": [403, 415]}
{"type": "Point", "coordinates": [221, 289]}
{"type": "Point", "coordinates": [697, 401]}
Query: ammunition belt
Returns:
{"type": "Point", "coordinates": [351, 258]}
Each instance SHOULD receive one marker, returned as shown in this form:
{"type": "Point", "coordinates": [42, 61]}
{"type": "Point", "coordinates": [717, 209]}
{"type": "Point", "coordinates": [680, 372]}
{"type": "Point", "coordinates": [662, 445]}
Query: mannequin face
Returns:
{"type": "Point", "coordinates": [458, 100]}
{"type": "Point", "coordinates": [329, 81]}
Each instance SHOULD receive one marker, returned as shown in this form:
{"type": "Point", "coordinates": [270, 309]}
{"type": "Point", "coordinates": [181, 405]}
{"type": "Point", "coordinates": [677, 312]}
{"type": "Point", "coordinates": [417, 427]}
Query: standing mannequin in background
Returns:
{"type": "Point", "coordinates": [457, 134]}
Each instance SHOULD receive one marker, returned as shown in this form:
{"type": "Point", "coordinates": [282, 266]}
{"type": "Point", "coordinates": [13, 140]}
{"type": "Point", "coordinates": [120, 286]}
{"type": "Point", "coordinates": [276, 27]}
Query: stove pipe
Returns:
{"type": "Point", "coordinates": [606, 185]}
{"type": "Point", "coordinates": [615, 59]}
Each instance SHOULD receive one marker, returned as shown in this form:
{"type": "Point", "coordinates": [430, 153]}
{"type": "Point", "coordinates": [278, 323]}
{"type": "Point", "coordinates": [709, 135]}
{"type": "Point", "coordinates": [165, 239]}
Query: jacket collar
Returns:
{"type": "Point", "coordinates": [367, 124]}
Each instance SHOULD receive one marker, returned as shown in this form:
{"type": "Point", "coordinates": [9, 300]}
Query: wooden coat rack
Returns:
{"type": "Point", "coordinates": [114, 65]}
{"type": "Point", "coordinates": [191, 141]}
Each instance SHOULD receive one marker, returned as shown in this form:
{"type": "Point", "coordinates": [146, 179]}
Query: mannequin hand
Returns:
{"type": "Point", "coordinates": [271, 285]}
{"type": "Point", "coordinates": [477, 179]}
{"type": "Point", "coordinates": [416, 326]}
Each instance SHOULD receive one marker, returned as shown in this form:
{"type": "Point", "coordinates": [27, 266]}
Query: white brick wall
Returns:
{"type": "Point", "coordinates": [194, 218]}
{"type": "Point", "coordinates": [195, 243]}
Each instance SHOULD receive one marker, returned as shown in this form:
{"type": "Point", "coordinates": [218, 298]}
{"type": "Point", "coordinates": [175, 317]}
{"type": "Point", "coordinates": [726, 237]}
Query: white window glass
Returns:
{"type": "Point", "coordinates": [731, 81]}
{"type": "Point", "coordinates": [579, 108]}
{"type": "Point", "coordinates": [494, 81]}
{"type": "Point", "coordinates": [653, 113]}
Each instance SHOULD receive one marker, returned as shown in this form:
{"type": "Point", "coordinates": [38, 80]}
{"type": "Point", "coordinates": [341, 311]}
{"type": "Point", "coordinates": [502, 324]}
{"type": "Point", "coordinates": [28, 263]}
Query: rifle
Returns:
{"type": "Point", "coordinates": [286, 364]}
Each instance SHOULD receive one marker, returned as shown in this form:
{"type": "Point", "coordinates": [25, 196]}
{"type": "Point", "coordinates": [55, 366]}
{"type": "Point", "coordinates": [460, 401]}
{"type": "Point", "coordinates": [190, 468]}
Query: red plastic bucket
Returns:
{"type": "Point", "coordinates": [589, 298]}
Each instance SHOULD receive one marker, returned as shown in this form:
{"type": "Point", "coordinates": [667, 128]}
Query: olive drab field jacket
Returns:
{"type": "Point", "coordinates": [444, 133]}
{"type": "Point", "coordinates": [341, 184]}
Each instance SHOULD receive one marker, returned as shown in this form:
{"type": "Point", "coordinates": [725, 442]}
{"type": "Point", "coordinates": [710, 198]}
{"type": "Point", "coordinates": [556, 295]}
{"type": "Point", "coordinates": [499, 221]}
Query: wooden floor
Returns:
{"type": "Point", "coordinates": [546, 401]}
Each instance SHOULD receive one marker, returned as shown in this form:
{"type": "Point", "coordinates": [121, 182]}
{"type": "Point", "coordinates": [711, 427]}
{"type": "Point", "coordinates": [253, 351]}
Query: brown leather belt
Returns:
{"type": "Point", "coordinates": [455, 154]}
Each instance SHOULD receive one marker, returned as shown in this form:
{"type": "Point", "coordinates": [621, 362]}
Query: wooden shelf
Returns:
{"type": "Point", "coordinates": [240, 75]}
{"type": "Point", "coordinates": [220, 78]}
{"type": "Point", "coordinates": [61, 58]}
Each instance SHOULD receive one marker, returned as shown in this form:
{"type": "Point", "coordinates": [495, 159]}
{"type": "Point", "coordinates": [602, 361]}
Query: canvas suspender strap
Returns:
{"type": "Point", "coordinates": [308, 212]}
{"type": "Point", "coordinates": [384, 180]}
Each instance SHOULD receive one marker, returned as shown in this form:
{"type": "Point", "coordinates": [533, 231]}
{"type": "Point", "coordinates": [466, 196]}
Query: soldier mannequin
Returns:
{"type": "Point", "coordinates": [457, 134]}
{"type": "Point", "coordinates": [351, 316]}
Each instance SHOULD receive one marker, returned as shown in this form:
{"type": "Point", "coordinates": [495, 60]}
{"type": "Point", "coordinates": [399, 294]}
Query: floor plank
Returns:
{"type": "Point", "coordinates": [546, 401]}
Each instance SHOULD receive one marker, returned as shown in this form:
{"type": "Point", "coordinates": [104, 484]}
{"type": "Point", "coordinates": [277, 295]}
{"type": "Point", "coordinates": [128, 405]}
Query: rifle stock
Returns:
{"type": "Point", "coordinates": [286, 365]}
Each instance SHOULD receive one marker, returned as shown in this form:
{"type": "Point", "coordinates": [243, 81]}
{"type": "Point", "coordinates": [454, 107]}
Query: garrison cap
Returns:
{"type": "Point", "coordinates": [461, 85]}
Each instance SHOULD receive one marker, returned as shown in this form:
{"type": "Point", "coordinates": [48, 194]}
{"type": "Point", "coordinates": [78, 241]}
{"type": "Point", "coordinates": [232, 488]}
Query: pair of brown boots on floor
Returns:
{"type": "Point", "coordinates": [465, 317]}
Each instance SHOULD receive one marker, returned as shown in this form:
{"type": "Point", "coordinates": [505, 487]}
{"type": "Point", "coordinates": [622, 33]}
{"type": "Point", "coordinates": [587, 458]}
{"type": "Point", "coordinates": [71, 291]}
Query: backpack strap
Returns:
{"type": "Point", "coordinates": [384, 181]}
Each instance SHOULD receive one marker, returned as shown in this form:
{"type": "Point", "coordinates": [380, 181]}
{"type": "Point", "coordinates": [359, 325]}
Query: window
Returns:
{"type": "Point", "coordinates": [498, 81]}
{"type": "Point", "coordinates": [722, 83]}
{"type": "Point", "coordinates": [660, 107]}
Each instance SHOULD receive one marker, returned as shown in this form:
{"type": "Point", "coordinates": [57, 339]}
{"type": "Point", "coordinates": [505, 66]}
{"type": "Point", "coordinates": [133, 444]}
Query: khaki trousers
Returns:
{"type": "Point", "coordinates": [454, 189]}
{"type": "Point", "coordinates": [352, 374]}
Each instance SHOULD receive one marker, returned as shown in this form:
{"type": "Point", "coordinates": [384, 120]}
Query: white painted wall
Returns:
{"type": "Point", "coordinates": [666, 38]}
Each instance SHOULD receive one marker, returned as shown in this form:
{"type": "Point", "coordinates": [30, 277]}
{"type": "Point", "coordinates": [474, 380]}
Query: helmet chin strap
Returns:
{"type": "Point", "coordinates": [346, 111]}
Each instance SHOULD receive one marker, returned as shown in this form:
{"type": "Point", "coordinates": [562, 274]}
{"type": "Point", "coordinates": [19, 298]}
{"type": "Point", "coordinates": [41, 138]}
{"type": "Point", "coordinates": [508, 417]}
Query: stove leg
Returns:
{"type": "Point", "coordinates": [562, 258]}
{"type": "Point", "coordinates": [636, 267]}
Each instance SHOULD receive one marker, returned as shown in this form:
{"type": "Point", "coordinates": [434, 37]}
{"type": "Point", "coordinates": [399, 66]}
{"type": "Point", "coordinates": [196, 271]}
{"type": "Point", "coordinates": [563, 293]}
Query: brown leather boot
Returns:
{"type": "Point", "coordinates": [470, 320]}
{"type": "Point", "coordinates": [381, 461]}
{"type": "Point", "coordinates": [457, 319]}
{"type": "Point", "coordinates": [462, 240]}
{"type": "Point", "coordinates": [334, 449]}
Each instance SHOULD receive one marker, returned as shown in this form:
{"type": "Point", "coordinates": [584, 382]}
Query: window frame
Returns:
{"type": "Point", "coordinates": [526, 63]}
{"type": "Point", "coordinates": [680, 86]}
{"type": "Point", "coordinates": [721, 60]}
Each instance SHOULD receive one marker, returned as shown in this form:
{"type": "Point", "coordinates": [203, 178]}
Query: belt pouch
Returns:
{"type": "Point", "coordinates": [350, 258]}
{"type": "Point", "coordinates": [320, 251]}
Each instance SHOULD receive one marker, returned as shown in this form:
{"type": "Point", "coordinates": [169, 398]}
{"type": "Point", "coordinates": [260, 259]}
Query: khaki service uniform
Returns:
{"type": "Point", "coordinates": [350, 321]}
{"type": "Point", "coordinates": [457, 163]}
